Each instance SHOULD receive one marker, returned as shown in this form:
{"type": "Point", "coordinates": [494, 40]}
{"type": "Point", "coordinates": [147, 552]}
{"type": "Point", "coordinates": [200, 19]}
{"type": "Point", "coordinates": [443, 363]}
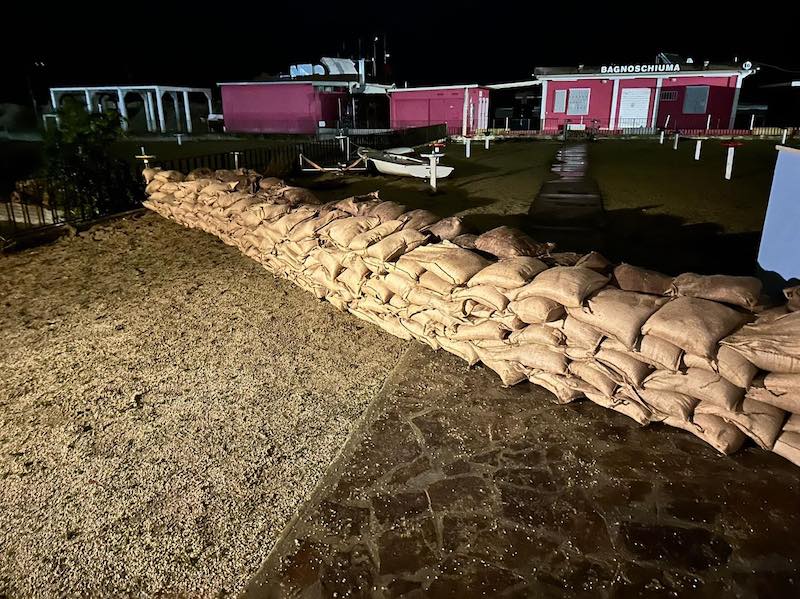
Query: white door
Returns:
{"type": "Point", "coordinates": [633, 107]}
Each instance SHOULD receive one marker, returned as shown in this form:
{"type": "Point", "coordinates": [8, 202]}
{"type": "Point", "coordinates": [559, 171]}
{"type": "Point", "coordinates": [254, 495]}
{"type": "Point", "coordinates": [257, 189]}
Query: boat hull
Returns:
{"type": "Point", "coordinates": [420, 171]}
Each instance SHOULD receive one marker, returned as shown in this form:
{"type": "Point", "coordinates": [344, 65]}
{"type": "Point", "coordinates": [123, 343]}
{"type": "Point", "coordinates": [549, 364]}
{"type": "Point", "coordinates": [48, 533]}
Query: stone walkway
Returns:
{"type": "Point", "coordinates": [455, 487]}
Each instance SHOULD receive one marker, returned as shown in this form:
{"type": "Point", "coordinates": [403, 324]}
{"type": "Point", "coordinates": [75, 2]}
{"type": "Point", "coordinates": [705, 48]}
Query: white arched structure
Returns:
{"type": "Point", "coordinates": [152, 97]}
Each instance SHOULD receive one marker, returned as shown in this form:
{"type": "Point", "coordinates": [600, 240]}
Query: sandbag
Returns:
{"type": "Point", "coordinates": [435, 283]}
{"type": "Point", "coordinates": [595, 374]}
{"type": "Point", "coordinates": [660, 353]}
{"type": "Point", "coordinates": [484, 330]}
{"type": "Point", "coordinates": [169, 176]}
{"type": "Point", "coordinates": [483, 294]}
{"type": "Point", "coordinates": [667, 403]}
{"type": "Point", "coordinates": [595, 261]}
{"type": "Point", "coordinates": [418, 219]}
{"type": "Point", "coordinates": [510, 373]}
{"type": "Point", "coordinates": [626, 364]}
{"type": "Point", "coordinates": [446, 229]}
{"type": "Point", "coordinates": [537, 333]}
{"type": "Point", "coordinates": [633, 278]}
{"type": "Point", "coordinates": [779, 390]}
{"type": "Point", "coordinates": [772, 345]}
{"type": "Point", "coordinates": [618, 314]}
{"type": "Point", "coordinates": [534, 310]}
{"type": "Point", "coordinates": [386, 211]}
{"type": "Point", "coordinates": [697, 383]}
{"type": "Point", "coordinates": [624, 405]}
{"type": "Point", "coordinates": [509, 273]}
{"type": "Point", "coordinates": [343, 231]}
{"type": "Point", "coordinates": [793, 424]}
{"type": "Point", "coordinates": [393, 246]}
{"type": "Point", "coordinates": [462, 349]}
{"type": "Point", "coordinates": [448, 261]}
{"type": "Point", "coordinates": [728, 363]}
{"type": "Point", "coordinates": [363, 240]}
{"type": "Point", "coordinates": [759, 421]}
{"type": "Point", "coordinates": [465, 240]}
{"type": "Point", "coordinates": [722, 436]}
{"type": "Point", "coordinates": [739, 291]}
{"type": "Point", "coordinates": [562, 258]}
{"type": "Point", "coordinates": [309, 228]}
{"type": "Point", "coordinates": [792, 295]}
{"type": "Point", "coordinates": [695, 325]}
{"type": "Point", "coordinates": [507, 242]}
{"type": "Point", "coordinates": [567, 285]}
{"type": "Point", "coordinates": [578, 334]}
{"type": "Point", "coordinates": [564, 388]}
{"type": "Point", "coordinates": [377, 288]}
{"type": "Point", "coordinates": [788, 446]}
{"type": "Point", "coordinates": [531, 355]}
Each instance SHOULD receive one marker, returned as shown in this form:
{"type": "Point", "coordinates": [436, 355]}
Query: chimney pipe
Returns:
{"type": "Point", "coordinates": [361, 69]}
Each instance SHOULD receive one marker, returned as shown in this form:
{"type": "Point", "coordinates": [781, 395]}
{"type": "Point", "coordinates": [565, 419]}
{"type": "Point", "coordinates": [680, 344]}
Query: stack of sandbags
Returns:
{"type": "Point", "coordinates": [678, 351]}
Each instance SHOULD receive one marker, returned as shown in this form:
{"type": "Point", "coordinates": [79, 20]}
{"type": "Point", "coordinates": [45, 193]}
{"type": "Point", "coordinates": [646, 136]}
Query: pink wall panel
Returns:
{"type": "Point", "coordinates": [599, 102]}
{"type": "Point", "coordinates": [273, 108]}
{"type": "Point", "coordinates": [720, 102]}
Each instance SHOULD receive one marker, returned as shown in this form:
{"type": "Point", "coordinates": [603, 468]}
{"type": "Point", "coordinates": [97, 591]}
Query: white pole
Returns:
{"type": "Point", "coordinates": [752, 121]}
{"type": "Point", "coordinates": [708, 122]}
{"type": "Point", "coordinates": [697, 146]}
{"type": "Point", "coordinates": [433, 172]}
{"type": "Point", "coordinates": [180, 138]}
{"type": "Point", "coordinates": [661, 138]}
{"type": "Point", "coordinates": [507, 124]}
{"type": "Point", "coordinates": [468, 147]}
{"type": "Point", "coordinates": [783, 139]}
{"type": "Point", "coordinates": [188, 111]}
{"type": "Point", "coordinates": [160, 108]}
{"type": "Point", "coordinates": [675, 142]}
{"type": "Point", "coordinates": [122, 109]}
{"type": "Point", "coordinates": [486, 141]}
{"type": "Point", "coordinates": [666, 123]}
{"type": "Point", "coordinates": [729, 163]}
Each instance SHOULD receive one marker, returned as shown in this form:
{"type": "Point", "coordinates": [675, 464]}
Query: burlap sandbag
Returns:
{"type": "Point", "coordinates": [171, 176]}
{"type": "Point", "coordinates": [395, 245]}
{"type": "Point", "coordinates": [446, 229]}
{"type": "Point", "coordinates": [578, 334]}
{"type": "Point", "coordinates": [728, 363]}
{"type": "Point", "coordinates": [268, 183]}
{"type": "Point", "coordinates": [399, 283]}
{"type": "Point", "coordinates": [626, 364]}
{"type": "Point", "coordinates": [465, 240]}
{"type": "Point", "coordinates": [695, 325]}
{"type": "Point", "coordinates": [697, 383]}
{"type": "Point", "coordinates": [667, 403]}
{"type": "Point", "coordinates": [739, 291]}
{"type": "Point", "coordinates": [485, 330]}
{"type": "Point", "coordinates": [624, 405]}
{"type": "Point", "coordinates": [343, 231]}
{"type": "Point", "coordinates": [779, 390]}
{"type": "Point", "coordinates": [154, 186]}
{"type": "Point", "coordinates": [788, 446]}
{"type": "Point", "coordinates": [567, 285]}
{"type": "Point", "coordinates": [509, 273]}
{"type": "Point", "coordinates": [793, 424]}
{"type": "Point", "coordinates": [436, 283]}
{"type": "Point", "coordinates": [595, 261]}
{"type": "Point", "coordinates": [418, 219]}
{"type": "Point", "coordinates": [363, 240]}
{"type": "Point", "coordinates": [562, 258]}
{"type": "Point", "coordinates": [759, 421]}
{"type": "Point", "coordinates": [596, 375]}
{"type": "Point", "coordinates": [772, 345]}
{"type": "Point", "coordinates": [722, 436]}
{"type": "Point", "coordinates": [484, 294]}
{"type": "Point", "coordinates": [564, 388]}
{"type": "Point", "coordinates": [531, 355]}
{"type": "Point", "coordinates": [448, 261]}
{"type": "Point", "coordinates": [538, 333]}
{"type": "Point", "coordinates": [633, 278]}
{"type": "Point", "coordinates": [507, 242]}
{"type": "Point", "coordinates": [376, 287]}
{"type": "Point", "coordinates": [510, 373]}
{"type": "Point", "coordinates": [660, 353]}
{"type": "Point", "coordinates": [150, 173]}
{"type": "Point", "coordinates": [462, 349]}
{"type": "Point", "coordinates": [386, 211]}
{"type": "Point", "coordinates": [535, 310]}
{"type": "Point", "coordinates": [618, 314]}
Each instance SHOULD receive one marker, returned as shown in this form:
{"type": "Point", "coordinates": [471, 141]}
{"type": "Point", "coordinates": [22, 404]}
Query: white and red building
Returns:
{"type": "Point", "coordinates": [635, 96]}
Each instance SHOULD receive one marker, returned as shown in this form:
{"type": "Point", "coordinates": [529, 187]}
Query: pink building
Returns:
{"type": "Point", "coordinates": [283, 106]}
{"type": "Point", "coordinates": [685, 96]}
{"type": "Point", "coordinates": [464, 108]}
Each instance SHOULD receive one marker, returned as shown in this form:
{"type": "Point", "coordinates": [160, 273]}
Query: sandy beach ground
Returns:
{"type": "Point", "coordinates": [165, 406]}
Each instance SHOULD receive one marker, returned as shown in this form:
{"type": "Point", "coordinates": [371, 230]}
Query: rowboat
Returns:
{"type": "Point", "coordinates": [401, 162]}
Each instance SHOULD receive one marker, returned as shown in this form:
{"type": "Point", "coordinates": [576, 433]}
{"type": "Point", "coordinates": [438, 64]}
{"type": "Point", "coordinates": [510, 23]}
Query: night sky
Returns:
{"type": "Point", "coordinates": [450, 43]}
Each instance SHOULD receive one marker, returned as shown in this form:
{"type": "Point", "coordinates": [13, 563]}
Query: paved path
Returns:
{"type": "Point", "coordinates": [455, 487]}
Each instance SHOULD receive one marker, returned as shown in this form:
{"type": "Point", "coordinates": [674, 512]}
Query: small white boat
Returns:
{"type": "Point", "coordinates": [400, 162]}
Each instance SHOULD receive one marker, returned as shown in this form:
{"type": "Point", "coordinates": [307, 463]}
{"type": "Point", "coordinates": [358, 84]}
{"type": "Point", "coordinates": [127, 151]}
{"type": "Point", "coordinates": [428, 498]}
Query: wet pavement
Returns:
{"type": "Point", "coordinates": [455, 487]}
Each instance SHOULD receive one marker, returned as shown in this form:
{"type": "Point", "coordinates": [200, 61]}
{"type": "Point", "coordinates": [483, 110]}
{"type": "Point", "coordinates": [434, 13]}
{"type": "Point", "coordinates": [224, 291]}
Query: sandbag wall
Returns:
{"type": "Point", "coordinates": [701, 353]}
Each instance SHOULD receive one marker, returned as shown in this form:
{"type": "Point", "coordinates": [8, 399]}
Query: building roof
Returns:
{"type": "Point", "coordinates": [636, 69]}
{"type": "Point", "coordinates": [432, 88]}
{"type": "Point", "coordinates": [784, 84]}
{"type": "Point", "coordinates": [105, 88]}
{"type": "Point", "coordinates": [515, 84]}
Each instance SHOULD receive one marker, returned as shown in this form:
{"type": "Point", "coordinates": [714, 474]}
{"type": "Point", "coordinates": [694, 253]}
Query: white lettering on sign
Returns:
{"type": "Point", "coordinates": [641, 68]}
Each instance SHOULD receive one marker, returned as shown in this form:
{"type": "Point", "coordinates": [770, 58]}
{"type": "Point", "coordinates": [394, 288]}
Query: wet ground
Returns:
{"type": "Point", "coordinates": [454, 487]}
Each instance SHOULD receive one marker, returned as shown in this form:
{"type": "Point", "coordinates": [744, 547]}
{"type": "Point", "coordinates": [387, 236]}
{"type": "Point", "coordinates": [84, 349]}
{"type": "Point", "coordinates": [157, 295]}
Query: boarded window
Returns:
{"type": "Point", "coordinates": [560, 100]}
{"type": "Point", "coordinates": [578, 101]}
{"type": "Point", "coordinates": [669, 95]}
{"type": "Point", "coordinates": [696, 99]}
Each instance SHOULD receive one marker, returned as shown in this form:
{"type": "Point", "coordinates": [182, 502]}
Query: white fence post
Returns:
{"type": "Point", "coordinates": [661, 138]}
{"type": "Point", "coordinates": [675, 142]}
{"type": "Point", "coordinates": [729, 163]}
{"type": "Point", "coordinates": [783, 138]}
{"type": "Point", "coordinates": [468, 146]}
{"type": "Point", "coordinates": [486, 143]}
{"type": "Point", "coordinates": [697, 146]}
